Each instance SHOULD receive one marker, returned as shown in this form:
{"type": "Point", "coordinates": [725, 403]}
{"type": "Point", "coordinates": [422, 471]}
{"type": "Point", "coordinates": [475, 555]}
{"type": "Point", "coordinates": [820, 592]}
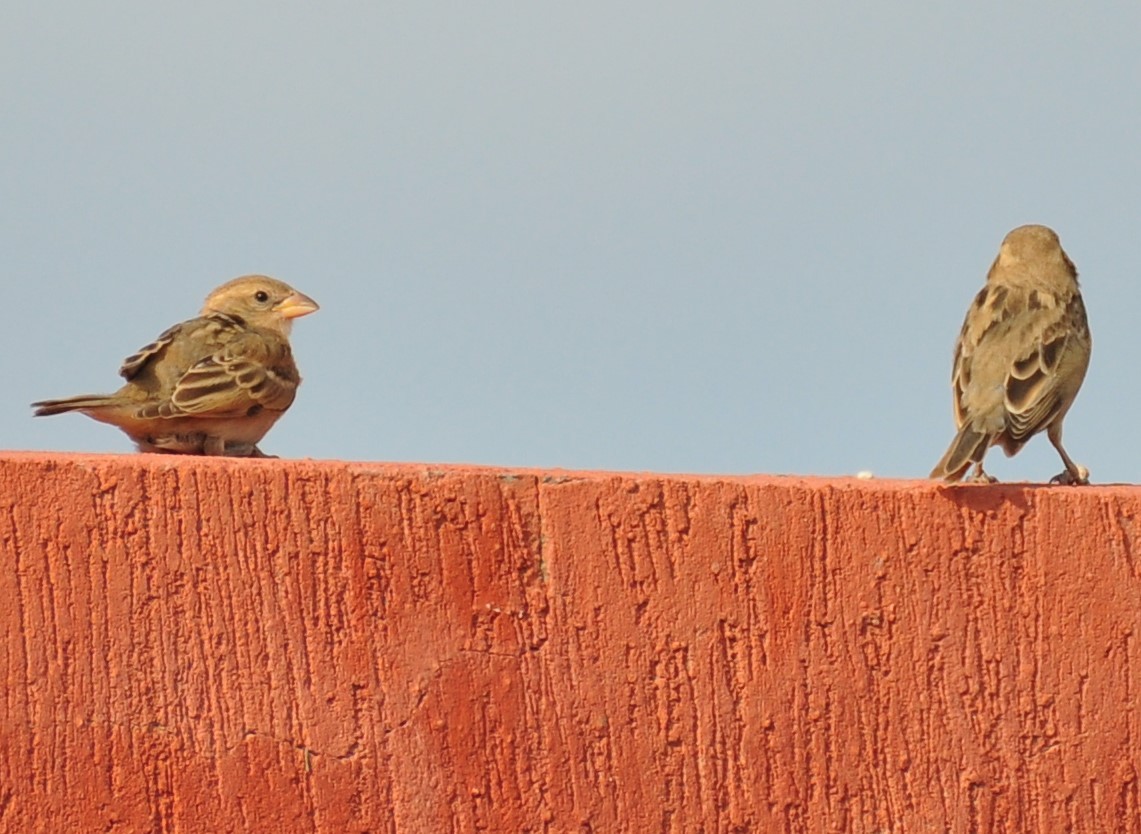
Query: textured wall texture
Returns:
{"type": "Point", "coordinates": [195, 645]}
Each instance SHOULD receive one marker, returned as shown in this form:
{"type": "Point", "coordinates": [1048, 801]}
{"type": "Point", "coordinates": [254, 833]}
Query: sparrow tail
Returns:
{"type": "Point", "coordinates": [968, 447]}
{"type": "Point", "coordinates": [46, 408]}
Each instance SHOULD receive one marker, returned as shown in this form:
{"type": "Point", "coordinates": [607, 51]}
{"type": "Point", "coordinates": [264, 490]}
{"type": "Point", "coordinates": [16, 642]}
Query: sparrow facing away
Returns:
{"type": "Point", "coordinates": [213, 385]}
{"type": "Point", "coordinates": [1020, 358]}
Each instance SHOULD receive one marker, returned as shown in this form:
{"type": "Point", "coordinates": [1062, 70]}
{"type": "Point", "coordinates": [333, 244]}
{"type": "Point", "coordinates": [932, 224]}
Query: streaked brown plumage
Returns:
{"type": "Point", "coordinates": [1021, 356]}
{"type": "Point", "coordinates": [213, 385]}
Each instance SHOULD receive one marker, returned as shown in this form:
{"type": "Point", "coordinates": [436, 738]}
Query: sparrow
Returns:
{"type": "Point", "coordinates": [1020, 358]}
{"type": "Point", "coordinates": [213, 385]}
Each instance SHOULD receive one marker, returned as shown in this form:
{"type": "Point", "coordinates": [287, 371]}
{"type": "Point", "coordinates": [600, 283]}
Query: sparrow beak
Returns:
{"type": "Point", "coordinates": [296, 305]}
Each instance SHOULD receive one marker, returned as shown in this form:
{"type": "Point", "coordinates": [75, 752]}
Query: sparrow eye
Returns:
{"type": "Point", "coordinates": [261, 296]}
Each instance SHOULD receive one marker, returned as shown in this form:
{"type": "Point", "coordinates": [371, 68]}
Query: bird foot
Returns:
{"type": "Point", "coordinates": [980, 477]}
{"type": "Point", "coordinates": [244, 450]}
{"type": "Point", "coordinates": [1070, 478]}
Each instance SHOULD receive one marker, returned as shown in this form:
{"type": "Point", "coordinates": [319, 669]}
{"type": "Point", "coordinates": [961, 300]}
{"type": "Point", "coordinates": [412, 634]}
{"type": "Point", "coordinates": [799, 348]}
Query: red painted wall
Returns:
{"type": "Point", "coordinates": [217, 645]}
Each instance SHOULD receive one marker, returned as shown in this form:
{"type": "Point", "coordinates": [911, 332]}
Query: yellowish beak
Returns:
{"type": "Point", "coordinates": [296, 305]}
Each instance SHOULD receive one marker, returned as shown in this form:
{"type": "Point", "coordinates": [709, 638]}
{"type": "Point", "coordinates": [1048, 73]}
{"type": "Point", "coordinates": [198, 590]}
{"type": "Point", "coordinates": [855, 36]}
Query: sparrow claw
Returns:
{"type": "Point", "coordinates": [1068, 478]}
{"type": "Point", "coordinates": [243, 450]}
{"type": "Point", "coordinates": [981, 477]}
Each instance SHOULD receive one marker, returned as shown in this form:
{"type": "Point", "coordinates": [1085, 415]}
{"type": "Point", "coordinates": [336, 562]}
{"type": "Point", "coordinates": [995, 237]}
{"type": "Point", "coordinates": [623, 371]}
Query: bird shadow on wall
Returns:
{"type": "Point", "coordinates": [991, 497]}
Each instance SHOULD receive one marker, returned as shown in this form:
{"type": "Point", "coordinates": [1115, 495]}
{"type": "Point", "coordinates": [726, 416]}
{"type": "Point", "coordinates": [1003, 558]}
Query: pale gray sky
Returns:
{"type": "Point", "coordinates": [734, 237]}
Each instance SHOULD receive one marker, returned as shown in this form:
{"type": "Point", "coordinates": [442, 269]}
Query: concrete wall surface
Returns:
{"type": "Point", "coordinates": [201, 645]}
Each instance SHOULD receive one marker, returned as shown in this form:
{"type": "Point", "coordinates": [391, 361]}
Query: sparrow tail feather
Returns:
{"type": "Point", "coordinates": [46, 408]}
{"type": "Point", "coordinates": [968, 447]}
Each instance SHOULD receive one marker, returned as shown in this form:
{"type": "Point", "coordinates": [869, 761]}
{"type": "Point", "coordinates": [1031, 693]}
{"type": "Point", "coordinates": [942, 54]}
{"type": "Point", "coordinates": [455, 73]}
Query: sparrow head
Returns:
{"type": "Point", "coordinates": [1037, 247]}
{"type": "Point", "coordinates": [260, 301]}
{"type": "Point", "coordinates": [1030, 243]}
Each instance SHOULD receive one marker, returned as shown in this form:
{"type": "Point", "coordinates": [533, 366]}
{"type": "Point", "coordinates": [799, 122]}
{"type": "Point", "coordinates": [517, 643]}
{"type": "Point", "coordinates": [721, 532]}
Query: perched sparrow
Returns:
{"type": "Point", "coordinates": [213, 385]}
{"type": "Point", "coordinates": [1021, 356]}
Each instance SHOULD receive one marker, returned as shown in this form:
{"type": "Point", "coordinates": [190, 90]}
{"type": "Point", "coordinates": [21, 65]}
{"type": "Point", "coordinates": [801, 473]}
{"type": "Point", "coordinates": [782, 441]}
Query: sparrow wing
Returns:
{"type": "Point", "coordinates": [139, 359]}
{"type": "Point", "coordinates": [1041, 382]}
{"type": "Point", "coordinates": [231, 382]}
{"type": "Point", "coordinates": [243, 369]}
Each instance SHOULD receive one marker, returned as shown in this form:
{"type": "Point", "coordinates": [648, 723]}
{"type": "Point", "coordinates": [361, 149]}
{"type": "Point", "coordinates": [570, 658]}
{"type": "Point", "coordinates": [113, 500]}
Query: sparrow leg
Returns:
{"type": "Point", "coordinates": [213, 446]}
{"type": "Point", "coordinates": [191, 443]}
{"type": "Point", "coordinates": [1075, 473]}
{"type": "Point", "coordinates": [980, 477]}
{"type": "Point", "coordinates": [245, 450]}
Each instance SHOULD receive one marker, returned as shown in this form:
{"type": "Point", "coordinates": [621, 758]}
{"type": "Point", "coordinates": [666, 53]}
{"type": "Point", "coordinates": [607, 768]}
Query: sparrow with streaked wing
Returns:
{"type": "Point", "coordinates": [1020, 358]}
{"type": "Point", "coordinates": [213, 385]}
